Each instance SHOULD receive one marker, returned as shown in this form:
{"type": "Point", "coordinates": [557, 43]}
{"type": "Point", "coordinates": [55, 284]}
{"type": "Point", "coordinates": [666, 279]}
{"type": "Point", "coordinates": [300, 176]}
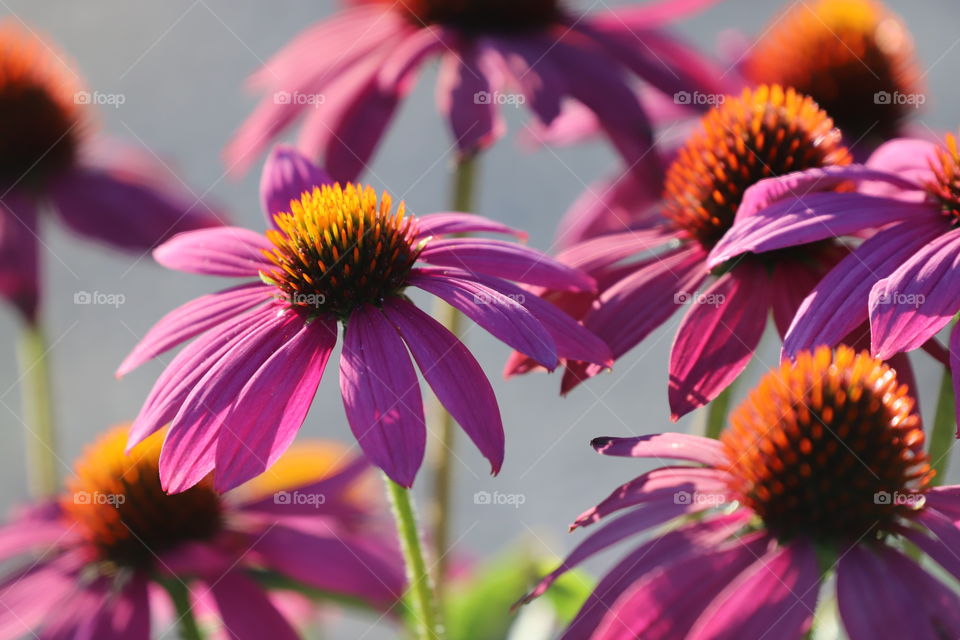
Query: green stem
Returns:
{"type": "Point", "coordinates": [464, 184]}
{"type": "Point", "coordinates": [423, 601]}
{"type": "Point", "coordinates": [944, 428]}
{"type": "Point", "coordinates": [717, 412]}
{"type": "Point", "coordinates": [38, 413]}
{"type": "Point", "coordinates": [186, 620]}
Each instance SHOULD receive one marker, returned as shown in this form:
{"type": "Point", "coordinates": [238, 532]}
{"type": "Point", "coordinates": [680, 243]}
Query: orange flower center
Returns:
{"type": "Point", "coordinates": [765, 132]}
{"type": "Point", "coordinates": [829, 447]}
{"type": "Point", "coordinates": [484, 15]}
{"type": "Point", "coordinates": [339, 248]}
{"type": "Point", "coordinates": [851, 56]}
{"type": "Point", "coordinates": [117, 501]}
{"type": "Point", "coordinates": [946, 187]}
{"type": "Point", "coordinates": [38, 108]}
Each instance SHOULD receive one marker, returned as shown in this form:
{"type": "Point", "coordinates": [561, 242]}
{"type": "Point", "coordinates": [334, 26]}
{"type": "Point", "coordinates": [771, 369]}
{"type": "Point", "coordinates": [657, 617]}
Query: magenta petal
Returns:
{"type": "Point", "coordinates": [454, 375]}
{"type": "Point", "coordinates": [19, 253]}
{"type": "Point", "coordinates": [192, 319]}
{"type": "Point", "coordinates": [246, 611]}
{"type": "Point", "coordinates": [339, 562]}
{"type": "Point", "coordinates": [126, 615]}
{"type": "Point", "coordinates": [273, 404]}
{"type": "Point", "coordinates": [609, 206]}
{"type": "Point", "coordinates": [606, 250]}
{"type": "Point", "coordinates": [505, 318]}
{"type": "Point", "coordinates": [911, 305]}
{"type": "Point", "coordinates": [665, 483]}
{"type": "Point", "coordinates": [811, 218]}
{"type": "Point", "coordinates": [232, 252]}
{"type": "Point", "coordinates": [791, 283]}
{"type": "Point", "coordinates": [838, 304]}
{"type": "Point", "coordinates": [506, 260]}
{"type": "Point", "coordinates": [670, 446]}
{"type": "Point", "coordinates": [31, 596]}
{"type": "Point", "coordinates": [452, 223]}
{"type": "Point", "coordinates": [874, 599]}
{"type": "Point", "coordinates": [286, 176]}
{"type": "Point", "coordinates": [942, 544]}
{"type": "Point", "coordinates": [717, 337]}
{"type": "Point", "coordinates": [381, 395]}
{"type": "Point", "coordinates": [464, 76]}
{"type": "Point", "coordinates": [908, 158]}
{"type": "Point", "coordinates": [955, 367]}
{"type": "Point", "coordinates": [189, 449]}
{"type": "Point", "coordinates": [775, 597]}
{"type": "Point", "coordinates": [522, 61]}
{"type": "Point", "coordinates": [657, 13]}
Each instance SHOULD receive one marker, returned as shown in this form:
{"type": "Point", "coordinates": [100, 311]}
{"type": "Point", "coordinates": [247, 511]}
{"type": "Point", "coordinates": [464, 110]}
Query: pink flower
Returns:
{"type": "Point", "coordinates": [47, 155]}
{"type": "Point", "coordinates": [763, 132]}
{"type": "Point", "coordinates": [237, 395]}
{"type": "Point", "coordinates": [92, 564]}
{"type": "Point", "coordinates": [822, 471]}
{"type": "Point", "coordinates": [348, 75]}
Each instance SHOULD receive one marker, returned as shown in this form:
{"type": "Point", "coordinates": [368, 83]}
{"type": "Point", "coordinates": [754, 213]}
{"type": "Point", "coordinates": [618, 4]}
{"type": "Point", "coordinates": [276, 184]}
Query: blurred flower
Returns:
{"type": "Point", "coordinates": [853, 57]}
{"type": "Point", "coordinates": [239, 393]}
{"type": "Point", "coordinates": [821, 468]}
{"type": "Point", "coordinates": [94, 563]}
{"type": "Point", "coordinates": [48, 156]}
{"type": "Point", "coordinates": [767, 131]}
{"type": "Point", "coordinates": [348, 74]}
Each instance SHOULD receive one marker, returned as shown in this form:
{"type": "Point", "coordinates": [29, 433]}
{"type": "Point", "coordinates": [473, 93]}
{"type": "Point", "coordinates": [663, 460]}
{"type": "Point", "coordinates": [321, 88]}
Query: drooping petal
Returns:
{"type": "Point", "coordinates": [774, 597]}
{"type": "Point", "coordinates": [609, 249]}
{"type": "Point", "coordinates": [522, 62]}
{"type": "Point", "coordinates": [839, 302]}
{"type": "Point", "coordinates": [667, 446]}
{"type": "Point", "coordinates": [381, 395]}
{"type": "Point", "coordinates": [273, 404]}
{"type": "Point", "coordinates": [232, 252]}
{"type": "Point", "coordinates": [192, 319]}
{"type": "Point", "coordinates": [955, 366]}
{"type": "Point", "coordinates": [941, 545]}
{"type": "Point", "coordinates": [339, 562]}
{"type": "Point", "coordinates": [19, 253]}
{"type": "Point", "coordinates": [717, 337]}
{"type": "Point", "coordinates": [790, 283]}
{"type": "Point", "coordinates": [506, 260]}
{"type": "Point", "coordinates": [911, 305]}
{"type": "Point", "coordinates": [610, 206]}
{"type": "Point", "coordinates": [814, 217]}
{"type": "Point", "coordinates": [29, 596]}
{"type": "Point", "coordinates": [454, 375]}
{"type": "Point", "coordinates": [452, 223]}
{"type": "Point", "coordinates": [246, 611]}
{"type": "Point", "coordinates": [287, 174]}
{"type": "Point", "coordinates": [468, 82]}
{"type": "Point", "coordinates": [124, 616]}
{"type": "Point", "coordinates": [189, 449]}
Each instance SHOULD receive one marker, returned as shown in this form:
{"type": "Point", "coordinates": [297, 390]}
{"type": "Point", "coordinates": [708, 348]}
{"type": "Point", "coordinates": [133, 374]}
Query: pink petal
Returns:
{"type": "Point", "coordinates": [838, 304]}
{"type": "Point", "coordinates": [671, 446]}
{"type": "Point", "coordinates": [192, 319]}
{"type": "Point", "coordinates": [775, 597]}
{"type": "Point", "coordinates": [658, 13]}
{"type": "Point", "coordinates": [454, 375]}
{"type": "Point", "coordinates": [608, 206]}
{"type": "Point", "coordinates": [29, 597]}
{"type": "Point", "coordinates": [19, 253]}
{"type": "Point", "coordinates": [381, 395]}
{"type": "Point", "coordinates": [791, 282]}
{"type": "Point", "coordinates": [246, 611]}
{"type": "Point", "coordinates": [717, 337]}
{"type": "Point", "coordinates": [465, 78]}
{"type": "Point", "coordinates": [506, 260]}
{"type": "Point", "coordinates": [955, 368]}
{"type": "Point", "coordinates": [911, 305]}
{"type": "Point", "coordinates": [942, 544]}
{"type": "Point", "coordinates": [273, 404]}
{"type": "Point", "coordinates": [232, 252]}
{"type": "Point", "coordinates": [906, 157]}
{"type": "Point", "coordinates": [126, 615]}
{"type": "Point", "coordinates": [287, 174]}
{"type": "Point", "coordinates": [606, 250]}
{"type": "Point", "coordinates": [452, 223]}
{"type": "Point", "coordinates": [522, 61]}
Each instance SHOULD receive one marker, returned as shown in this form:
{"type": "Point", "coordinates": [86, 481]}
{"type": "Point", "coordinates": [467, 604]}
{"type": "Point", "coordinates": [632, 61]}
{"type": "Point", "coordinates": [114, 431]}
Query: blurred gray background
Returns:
{"type": "Point", "coordinates": [181, 65]}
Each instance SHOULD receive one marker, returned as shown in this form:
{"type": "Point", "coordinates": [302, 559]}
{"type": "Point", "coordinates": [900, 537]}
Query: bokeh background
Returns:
{"type": "Point", "coordinates": [181, 66]}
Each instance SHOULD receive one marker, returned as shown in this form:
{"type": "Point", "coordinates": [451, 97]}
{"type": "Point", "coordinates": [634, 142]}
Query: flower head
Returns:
{"type": "Point", "coordinates": [821, 471]}
{"type": "Point", "coordinates": [494, 53]}
{"type": "Point", "coordinates": [48, 153]}
{"type": "Point", "coordinates": [94, 562]}
{"type": "Point", "coordinates": [340, 255]}
{"type": "Point", "coordinates": [853, 57]}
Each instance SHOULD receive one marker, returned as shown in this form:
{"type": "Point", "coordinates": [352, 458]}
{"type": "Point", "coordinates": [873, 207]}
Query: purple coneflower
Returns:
{"type": "Point", "coordinates": [94, 563]}
{"type": "Point", "coordinates": [48, 157]}
{"type": "Point", "coordinates": [821, 471]}
{"type": "Point", "coordinates": [236, 397]}
{"type": "Point", "coordinates": [767, 131]}
{"type": "Point", "coordinates": [348, 74]}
